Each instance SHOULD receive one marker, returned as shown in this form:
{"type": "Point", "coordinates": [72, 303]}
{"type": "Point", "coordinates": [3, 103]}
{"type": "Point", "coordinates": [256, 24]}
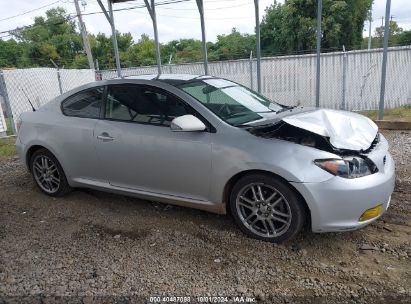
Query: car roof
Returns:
{"type": "Point", "coordinates": [173, 79]}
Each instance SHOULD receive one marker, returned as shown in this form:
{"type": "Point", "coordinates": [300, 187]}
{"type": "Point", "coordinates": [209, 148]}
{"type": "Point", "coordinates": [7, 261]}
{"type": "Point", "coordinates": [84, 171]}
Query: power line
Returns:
{"type": "Point", "coordinates": [34, 25]}
{"type": "Point", "coordinates": [171, 16]}
{"type": "Point", "coordinates": [209, 18]}
{"type": "Point", "coordinates": [74, 15]}
{"type": "Point", "coordinates": [208, 9]}
{"type": "Point", "coordinates": [30, 11]}
{"type": "Point", "coordinates": [166, 2]}
{"type": "Point", "coordinates": [137, 6]}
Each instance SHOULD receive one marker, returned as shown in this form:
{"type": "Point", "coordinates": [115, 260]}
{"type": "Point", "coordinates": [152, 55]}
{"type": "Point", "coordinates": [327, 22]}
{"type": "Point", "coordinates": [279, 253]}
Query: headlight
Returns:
{"type": "Point", "coordinates": [348, 167]}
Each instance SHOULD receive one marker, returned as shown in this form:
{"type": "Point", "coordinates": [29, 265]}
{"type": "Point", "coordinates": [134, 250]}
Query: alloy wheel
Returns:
{"type": "Point", "coordinates": [46, 174]}
{"type": "Point", "coordinates": [263, 210]}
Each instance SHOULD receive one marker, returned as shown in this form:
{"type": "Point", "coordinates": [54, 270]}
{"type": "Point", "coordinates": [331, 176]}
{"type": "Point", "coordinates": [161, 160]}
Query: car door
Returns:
{"type": "Point", "coordinates": [138, 150]}
{"type": "Point", "coordinates": [73, 135]}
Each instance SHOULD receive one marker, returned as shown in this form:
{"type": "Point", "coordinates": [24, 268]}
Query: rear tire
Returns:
{"type": "Point", "coordinates": [267, 208]}
{"type": "Point", "coordinates": [48, 173]}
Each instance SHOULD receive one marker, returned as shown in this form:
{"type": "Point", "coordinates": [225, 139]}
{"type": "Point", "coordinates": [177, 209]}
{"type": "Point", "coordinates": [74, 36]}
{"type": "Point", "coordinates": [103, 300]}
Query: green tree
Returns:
{"type": "Point", "coordinates": [11, 54]}
{"type": "Point", "coordinates": [395, 32]}
{"type": "Point", "coordinates": [102, 50]}
{"type": "Point", "coordinates": [54, 37]}
{"type": "Point", "coordinates": [232, 46]}
{"type": "Point", "coordinates": [183, 50]}
{"type": "Point", "coordinates": [404, 38]}
{"type": "Point", "coordinates": [291, 27]}
{"type": "Point", "coordinates": [397, 37]}
{"type": "Point", "coordinates": [143, 52]}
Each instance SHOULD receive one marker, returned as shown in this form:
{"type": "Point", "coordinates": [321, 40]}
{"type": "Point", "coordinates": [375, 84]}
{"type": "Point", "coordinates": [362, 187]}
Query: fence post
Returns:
{"type": "Point", "coordinates": [58, 75]}
{"type": "Point", "coordinates": [169, 64]}
{"type": "Point", "coordinates": [251, 70]}
{"type": "Point", "coordinates": [3, 92]}
{"type": "Point", "coordinates": [97, 72]}
{"type": "Point", "coordinates": [344, 79]}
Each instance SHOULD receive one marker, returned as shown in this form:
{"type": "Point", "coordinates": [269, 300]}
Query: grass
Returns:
{"type": "Point", "coordinates": [7, 148]}
{"type": "Point", "coordinates": [9, 130]}
{"type": "Point", "coordinates": [397, 114]}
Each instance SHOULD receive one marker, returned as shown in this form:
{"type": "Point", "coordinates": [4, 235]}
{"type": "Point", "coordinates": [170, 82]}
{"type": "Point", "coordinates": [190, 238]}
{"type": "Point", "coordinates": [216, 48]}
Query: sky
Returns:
{"type": "Point", "coordinates": [179, 20]}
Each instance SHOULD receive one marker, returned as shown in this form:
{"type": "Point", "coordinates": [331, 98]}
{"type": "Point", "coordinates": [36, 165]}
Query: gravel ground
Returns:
{"type": "Point", "coordinates": [92, 247]}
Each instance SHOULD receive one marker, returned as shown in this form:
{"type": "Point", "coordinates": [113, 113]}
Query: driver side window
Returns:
{"type": "Point", "coordinates": [142, 104]}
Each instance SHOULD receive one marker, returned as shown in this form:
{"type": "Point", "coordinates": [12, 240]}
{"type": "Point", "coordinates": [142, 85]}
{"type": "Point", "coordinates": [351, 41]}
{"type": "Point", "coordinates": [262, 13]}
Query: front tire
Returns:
{"type": "Point", "coordinates": [48, 173]}
{"type": "Point", "coordinates": [267, 208]}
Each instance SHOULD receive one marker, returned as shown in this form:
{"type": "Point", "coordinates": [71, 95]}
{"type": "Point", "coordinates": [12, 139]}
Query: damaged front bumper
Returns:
{"type": "Point", "coordinates": [338, 203]}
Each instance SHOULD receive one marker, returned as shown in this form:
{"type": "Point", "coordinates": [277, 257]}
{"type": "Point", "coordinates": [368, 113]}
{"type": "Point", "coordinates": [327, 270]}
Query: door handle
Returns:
{"type": "Point", "coordinates": [105, 137]}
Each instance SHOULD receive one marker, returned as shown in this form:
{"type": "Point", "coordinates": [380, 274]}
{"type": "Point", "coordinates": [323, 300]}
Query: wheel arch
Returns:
{"type": "Point", "coordinates": [36, 147]}
{"type": "Point", "coordinates": [30, 152]}
{"type": "Point", "coordinates": [233, 180]}
{"type": "Point", "coordinates": [62, 187]}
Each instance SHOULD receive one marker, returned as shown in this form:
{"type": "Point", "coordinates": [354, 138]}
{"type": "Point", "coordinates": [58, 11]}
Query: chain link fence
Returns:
{"type": "Point", "coordinates": [348, 80]}
{"type": "Point", "coordinates": [39, 85]}
{"type": "Point", "coordinates": [3, 126]}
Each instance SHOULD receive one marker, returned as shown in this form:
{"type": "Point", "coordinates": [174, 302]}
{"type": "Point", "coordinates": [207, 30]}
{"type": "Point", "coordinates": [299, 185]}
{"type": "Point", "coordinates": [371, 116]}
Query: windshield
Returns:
{"type": "Point", "coordinates": [231, 102]}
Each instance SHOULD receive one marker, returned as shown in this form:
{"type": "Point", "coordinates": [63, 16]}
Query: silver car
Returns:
{"type": "Point", "coordinates": [211, 144]}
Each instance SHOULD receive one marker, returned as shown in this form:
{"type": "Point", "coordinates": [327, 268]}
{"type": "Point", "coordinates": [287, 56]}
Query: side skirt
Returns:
{"type": "Point", "coordinates": [218, 208]}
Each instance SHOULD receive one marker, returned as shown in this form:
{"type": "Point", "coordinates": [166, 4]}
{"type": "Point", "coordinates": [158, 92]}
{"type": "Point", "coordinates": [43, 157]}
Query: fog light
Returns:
{"type": "Point", "coordinates": [371, 213]}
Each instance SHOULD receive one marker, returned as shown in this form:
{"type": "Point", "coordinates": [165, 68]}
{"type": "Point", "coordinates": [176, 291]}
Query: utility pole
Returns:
{"type": "Point", "coordinates": [369, 29]}
{"type": "Point", "coordinates": [200, 6]}
{"type": "Point", "coordinates": [258, 44]}
{"type": "Point", "coordinates": [86, 42]}
{"type": "Point", "coordinates": [110, 18]}
{"type": "Point", "coordinates": [382, 25]}
{"type": "Point", "coordinates": [151, 7]}
{"type": "Point", "coordinates": [384, 59]}
{"type": "Point", "coordinates": [317, 88]}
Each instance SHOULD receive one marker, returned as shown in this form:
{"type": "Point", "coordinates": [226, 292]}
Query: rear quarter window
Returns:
{"type": "Point", "coordinates": [86, 104]}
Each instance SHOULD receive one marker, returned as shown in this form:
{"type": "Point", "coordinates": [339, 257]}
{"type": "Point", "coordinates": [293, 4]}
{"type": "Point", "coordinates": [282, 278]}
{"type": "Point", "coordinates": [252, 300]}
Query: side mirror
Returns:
{"type": "Point", "coordinates": [187, 123]}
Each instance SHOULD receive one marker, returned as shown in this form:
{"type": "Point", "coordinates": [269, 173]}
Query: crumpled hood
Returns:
{"type": "Point", "coordinates": [346, 130]}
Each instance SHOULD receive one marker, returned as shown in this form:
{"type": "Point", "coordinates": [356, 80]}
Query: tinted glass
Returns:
{"type": "Point", "coordinates": [84, 104]}
{"type": "Point", "coordinates": [143, 105]}
{"type": "Point", "coordinates": [231, 102]}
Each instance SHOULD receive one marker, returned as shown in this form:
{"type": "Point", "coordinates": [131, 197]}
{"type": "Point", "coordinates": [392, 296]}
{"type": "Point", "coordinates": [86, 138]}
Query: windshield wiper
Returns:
{"type": "Point", "coordinates": [271, 111]}
{"type": "Point", "coordinates": [285, 108]}
{"type": "Point", "coordinates": [243, 126]}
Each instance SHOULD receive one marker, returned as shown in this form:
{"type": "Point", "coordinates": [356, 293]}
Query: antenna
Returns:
{"type": "Point", "coordinates": [32, 107]}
